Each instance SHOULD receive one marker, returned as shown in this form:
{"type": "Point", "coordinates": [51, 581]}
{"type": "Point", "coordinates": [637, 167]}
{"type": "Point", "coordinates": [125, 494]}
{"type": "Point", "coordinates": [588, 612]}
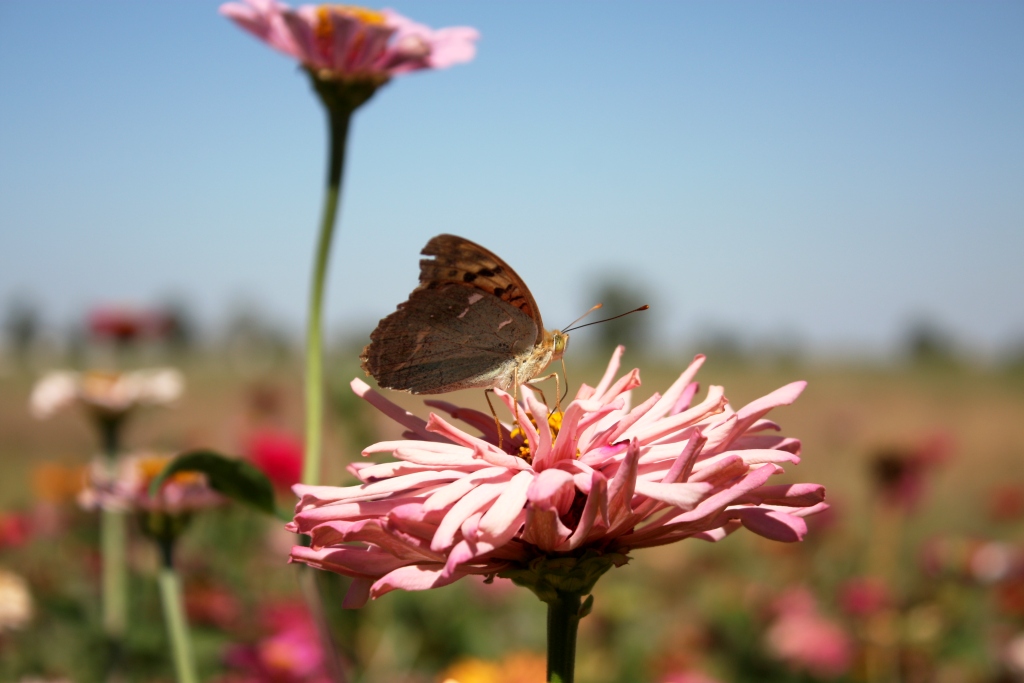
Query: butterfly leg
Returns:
{"type": "Point", "coordinates": [497, 422]}
{"type": "Point", "coordinates": [558, 400]}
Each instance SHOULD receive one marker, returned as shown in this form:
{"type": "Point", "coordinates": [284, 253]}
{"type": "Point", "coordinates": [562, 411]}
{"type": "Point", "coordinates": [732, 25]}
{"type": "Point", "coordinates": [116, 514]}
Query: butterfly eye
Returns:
{"type": "Point", "coordinates": [560, 342]}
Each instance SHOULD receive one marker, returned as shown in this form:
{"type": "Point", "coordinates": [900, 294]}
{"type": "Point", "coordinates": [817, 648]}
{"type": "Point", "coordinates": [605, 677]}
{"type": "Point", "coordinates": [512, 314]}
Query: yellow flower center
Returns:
{"type": "Point", "coordinates": [554, 421]}
{"type": "Point", "coordinates": [324, 28]}
{"type": "Point", "coordinates": [98, 385]}
{"type": "Point", "coordinates": [151, 466]}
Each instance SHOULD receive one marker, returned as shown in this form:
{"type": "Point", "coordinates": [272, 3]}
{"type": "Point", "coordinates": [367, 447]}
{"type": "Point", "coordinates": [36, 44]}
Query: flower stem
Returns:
{"type": "Point", "coordinates": [113, 544]}
{"type": "Point", "coordinates": [338, 119]}
{"type": "Point", "coordinates": [174, 616]}
{"type": "Point", "coordinates": [563, 624]}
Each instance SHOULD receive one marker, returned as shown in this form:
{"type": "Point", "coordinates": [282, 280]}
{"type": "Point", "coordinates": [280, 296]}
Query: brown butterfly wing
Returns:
{"type": "Point", "coordinates": [447, 337]}
{"type": "Point", "coordinates": [461, 262]}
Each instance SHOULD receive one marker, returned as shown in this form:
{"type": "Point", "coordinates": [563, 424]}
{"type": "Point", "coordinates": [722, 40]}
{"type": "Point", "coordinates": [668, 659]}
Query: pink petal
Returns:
{"type": "Point", "coordinates": [674, 393]}
{"type": "Point", "coordinates": [683, 496]}
{"type": "Point", "coordinates": [507, 507]}
{"type": "Point", "coordinates": [609, 373]}
{"type": "Point", "coordinates": [398, 414]}
{"type": "Point", "coordinates": [791, 495]}
{"type": "Point", "coordinates": [354, 562]}
{"type": "Point", "coordinates": [448, 495]}
{"type": "Point", "coordinates": [552, 488]}
{"type": "Point", "coordinates": [597, 504]}
{"type": "Point", "coordinates": [685, 399]}
{"type": "Point", "coordinates": [620, 490]}
{"type": "Point", "coordinates": [466, 506]}
{"type": "Point", "coordinates": [358, 594]}
{"type": "Point", "coordinates": [544, 529]}
{"type": "Point", "coordinates": [772, 524]}
{"type": "Point", "coordinates": [714, 403]}
{"type": "Point", "coordinates": [413, 578]}
{"type": "Point", "coordinates": [487, 425]}
{"type": "Point", "coordinates": [756, 409]}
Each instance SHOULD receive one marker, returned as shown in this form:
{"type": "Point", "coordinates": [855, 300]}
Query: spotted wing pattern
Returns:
{"type": "Point", "coordinates": [461, 262]}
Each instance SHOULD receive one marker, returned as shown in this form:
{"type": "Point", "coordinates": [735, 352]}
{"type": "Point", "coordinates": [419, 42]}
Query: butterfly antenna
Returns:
{"type": "Point", "coordinates": [614, 317]}
{"type": "Point", "coordinates": [593, 308]}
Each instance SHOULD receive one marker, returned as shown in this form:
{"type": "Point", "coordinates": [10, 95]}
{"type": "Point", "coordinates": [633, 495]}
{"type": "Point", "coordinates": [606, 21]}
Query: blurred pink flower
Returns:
{"type": "Point", "coordinates": [589, 485]}
{"type": "Point", "coordinates": [278, 454]}
{"type": "Point", "coordinates": [107, 395]}
{"type": "Point", "coordinates": [688, 677]}
{"type": "Point", "coordinates": [127, 489]}
{"type": "Point", "coordinates": [807, 640]}
{"type": "Point", "coordinates": [900, 473]}
{"type": "Point", "coordinates": [291, 653]}
{"type": "Point", "coordinates": [864, 596]}
{"type": "Point", "coordinates": [346, 42]}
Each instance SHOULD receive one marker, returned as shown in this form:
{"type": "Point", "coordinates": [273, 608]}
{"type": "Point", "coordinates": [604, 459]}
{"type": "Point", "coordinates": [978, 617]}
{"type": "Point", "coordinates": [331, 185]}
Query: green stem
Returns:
{"type": "Point", "coordinates": [113, 543]}
{"type": "Point", "coordinates": [174, 616]}
{"type": "Point", "coordinates": [563, 624]}
{"type": "Point", "coordinates": [339, 120]}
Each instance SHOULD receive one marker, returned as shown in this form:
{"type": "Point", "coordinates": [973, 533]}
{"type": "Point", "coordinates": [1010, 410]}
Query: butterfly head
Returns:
{"type": "Point", "coordinates": [559, 340]}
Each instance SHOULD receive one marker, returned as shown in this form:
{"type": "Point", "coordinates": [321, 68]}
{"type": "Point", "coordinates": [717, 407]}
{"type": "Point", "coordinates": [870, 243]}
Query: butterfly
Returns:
{"type": "Point", "coordinates": [471, 323]}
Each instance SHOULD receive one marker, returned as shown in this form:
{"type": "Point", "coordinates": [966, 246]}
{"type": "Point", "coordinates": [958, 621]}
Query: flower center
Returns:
{"type": "Point", "coordinates": [324, 28]}
{"type": "Point", "coordinates": [554, 421]}
{"type": "Point", "coordinates": [151, 466]}
{"type": "Point", "coordinates": [98, 385]}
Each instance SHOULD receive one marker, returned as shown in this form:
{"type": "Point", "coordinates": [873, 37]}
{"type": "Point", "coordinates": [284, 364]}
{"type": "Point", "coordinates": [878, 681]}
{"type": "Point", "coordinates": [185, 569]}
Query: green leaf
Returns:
{"type": "Point", "coordinates": [235, 478]}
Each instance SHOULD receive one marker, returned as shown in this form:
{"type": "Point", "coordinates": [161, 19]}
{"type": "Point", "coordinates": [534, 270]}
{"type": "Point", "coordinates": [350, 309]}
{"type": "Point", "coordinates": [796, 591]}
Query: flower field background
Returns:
{"type": "Point", "coordinates": [918, 567]}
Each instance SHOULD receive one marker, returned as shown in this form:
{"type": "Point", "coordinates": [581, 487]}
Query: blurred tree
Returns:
{"type": "Point", "coordinates": [180, 327]}
{"type": "Point", "coordinates": [927, 344]}
{"type": "Point", "coordinates": [618, 296]}
{"type": "Point", "coordinates": [22, 327]}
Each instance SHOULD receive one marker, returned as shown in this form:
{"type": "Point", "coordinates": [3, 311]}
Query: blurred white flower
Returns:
{"type": "Point", "coordinates": [108, 394]}
{"type": "Point", "coordinates": [16, 605]}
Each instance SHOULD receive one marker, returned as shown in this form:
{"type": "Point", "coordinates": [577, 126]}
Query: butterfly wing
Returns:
{"type": "Point", "coordinates": [457, 261]}
{"type": "Point", "coordinates": [448, 337]}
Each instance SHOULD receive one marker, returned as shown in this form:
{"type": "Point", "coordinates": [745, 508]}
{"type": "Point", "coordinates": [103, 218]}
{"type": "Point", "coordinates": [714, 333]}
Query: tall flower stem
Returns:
{"type": "Point", "coordinates": [338, 119]}
{"type": "Point", "coordinates": [113, 544]}
{"type": "Point", "coordinates": [174, 617]}
{"type": "Point", "coordinates": [563, 624]}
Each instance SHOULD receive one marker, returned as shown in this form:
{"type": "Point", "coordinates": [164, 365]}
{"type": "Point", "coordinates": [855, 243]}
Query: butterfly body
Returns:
{"type": "Point", "coordinates": [471, 323]}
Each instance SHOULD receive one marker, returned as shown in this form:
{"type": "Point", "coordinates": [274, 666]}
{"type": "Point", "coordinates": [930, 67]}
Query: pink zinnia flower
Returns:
{"type": "Point", "coordinates": [806, 639]}
{"type": "Point", "coordinates": [568, 495]}
{"type": "Point", "coordinates": [346, 42]}
{"type": "Point", "coordinates": [127, 488]}
{"type": "Point", "coordinates": [290, 653]}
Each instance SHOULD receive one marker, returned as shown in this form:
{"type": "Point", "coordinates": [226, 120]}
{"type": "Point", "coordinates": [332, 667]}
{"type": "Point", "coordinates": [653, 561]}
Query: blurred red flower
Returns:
{"type": "Point", "coordinates": [278, 454]}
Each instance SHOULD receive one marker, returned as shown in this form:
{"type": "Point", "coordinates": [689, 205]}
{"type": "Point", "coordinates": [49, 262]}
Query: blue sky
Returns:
{"type": "Point", "coordinates": [821, 172]}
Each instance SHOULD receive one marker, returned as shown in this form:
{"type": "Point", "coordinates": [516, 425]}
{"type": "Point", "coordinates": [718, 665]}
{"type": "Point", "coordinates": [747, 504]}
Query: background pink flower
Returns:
{"type": "Point", "coordinates": [806, 639]}
{"type": "Point", "coordinates": [351, 42]}
{"type": "Point", "coordinates": [575, 492]}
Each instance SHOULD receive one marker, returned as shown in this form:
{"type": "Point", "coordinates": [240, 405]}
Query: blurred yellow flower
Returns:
{"type": "Point", "coordinates": [521, 667]}
{"type": "Point", "coordinates": [56, 483]}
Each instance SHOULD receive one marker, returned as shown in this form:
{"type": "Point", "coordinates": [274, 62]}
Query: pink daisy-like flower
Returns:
{"type": "Point", "coordinates": [127, 488]}
{"type": "Point", "coordinates": [565, 499]}
{"type": "Point", "coordinates": [347, 42]}
{"type": "Point", "coordinates": [806, 639]}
